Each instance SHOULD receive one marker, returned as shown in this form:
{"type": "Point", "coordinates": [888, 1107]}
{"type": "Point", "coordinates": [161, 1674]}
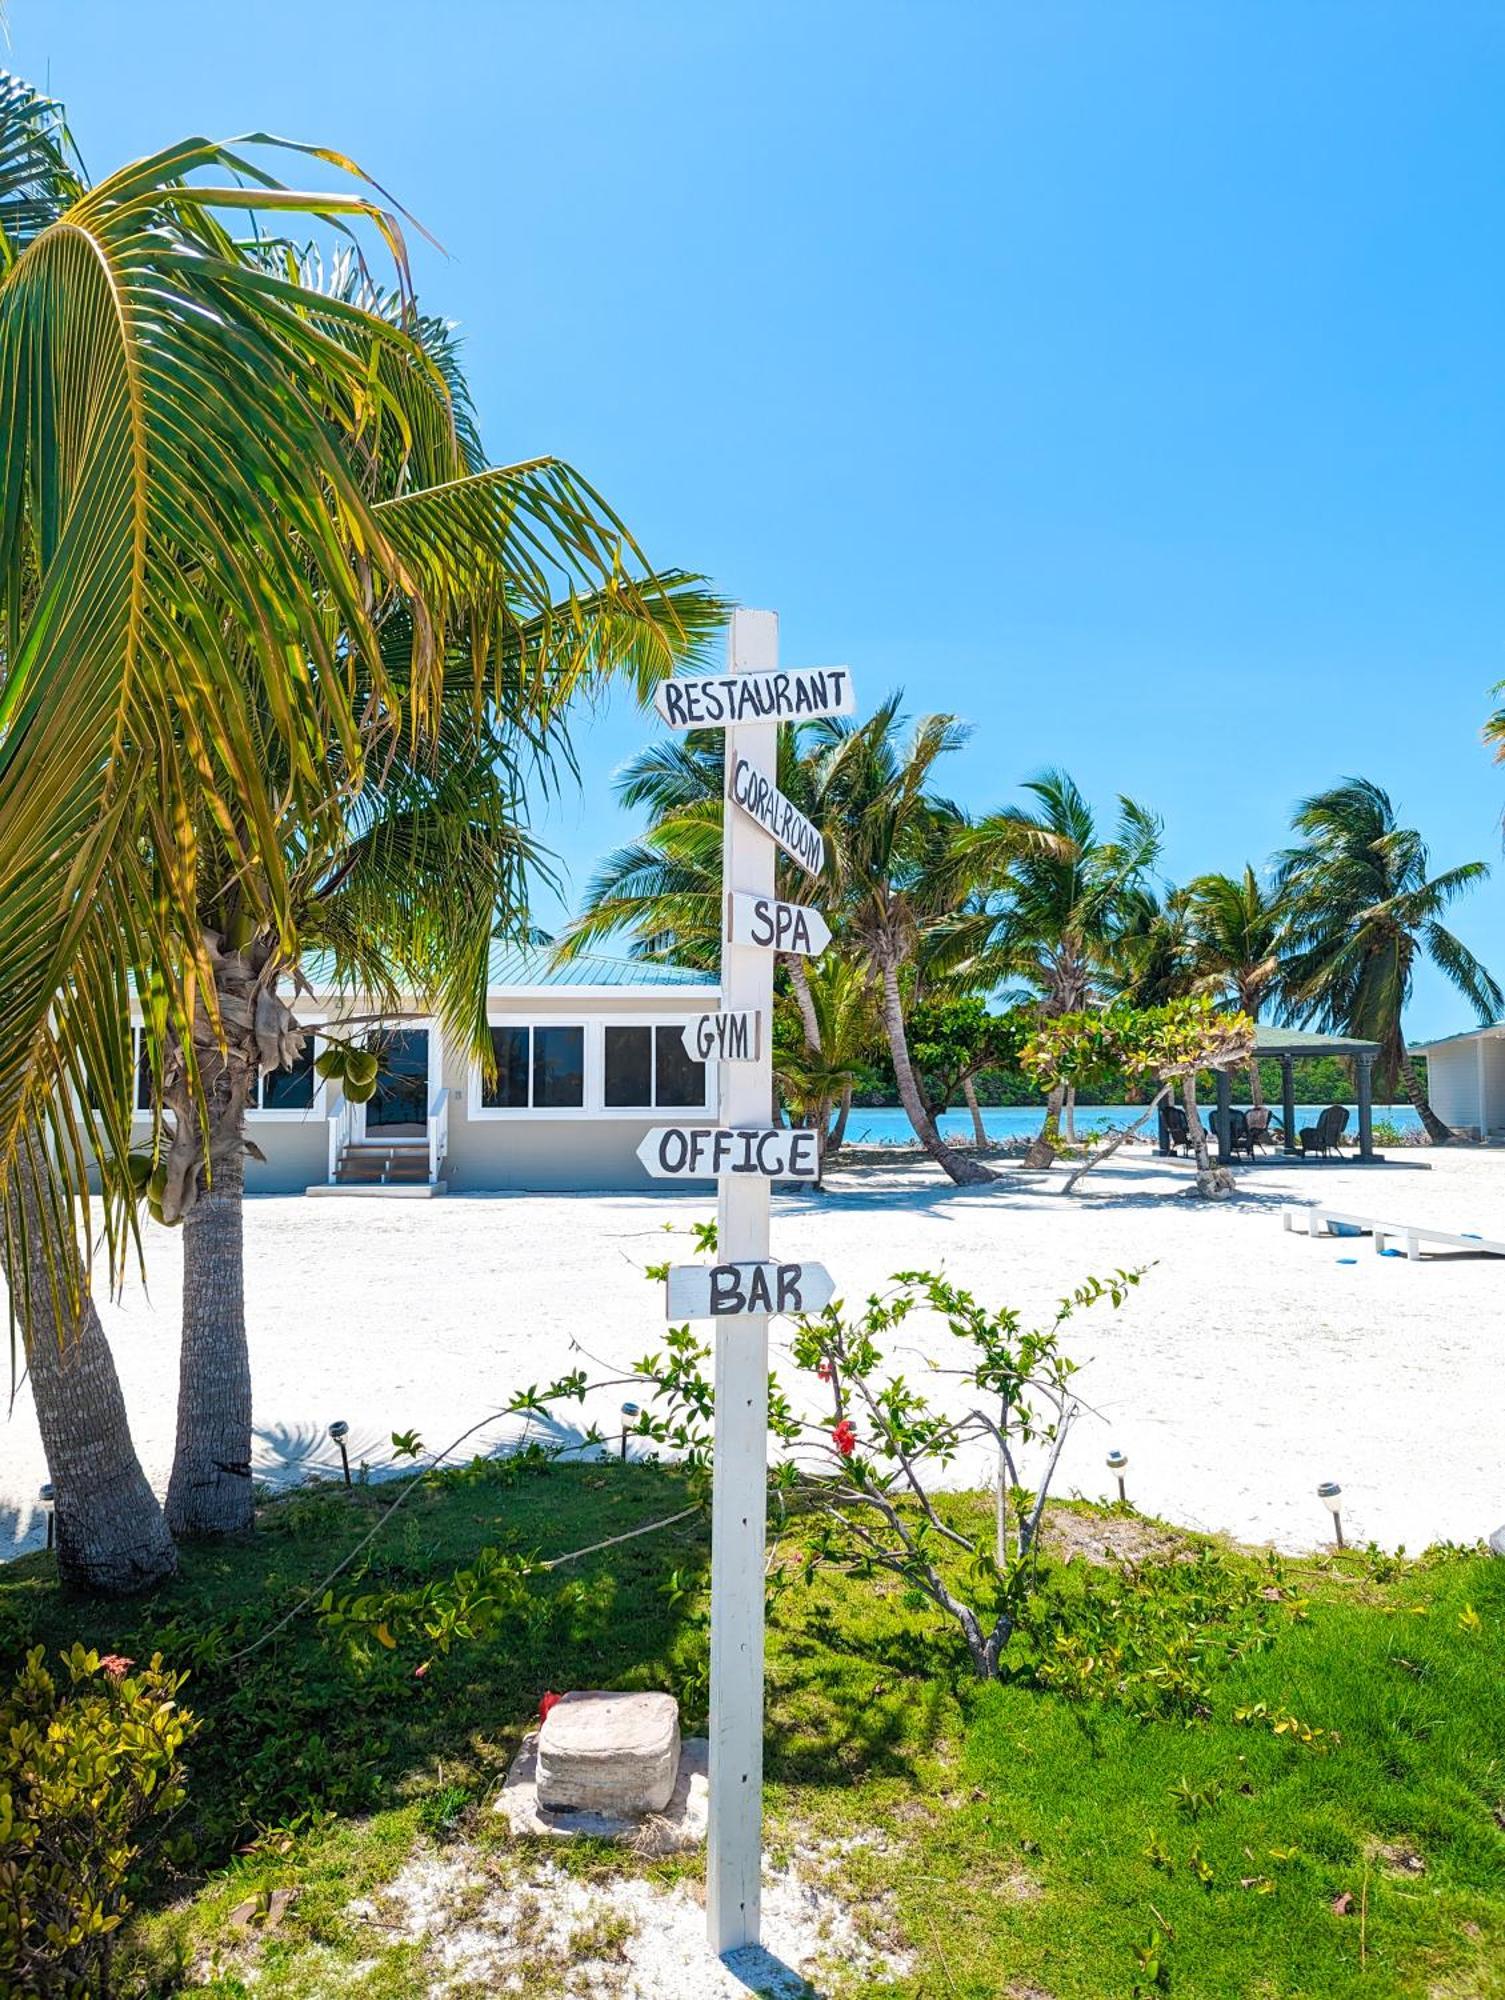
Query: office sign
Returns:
{"type": "Point", "coordinates": [764, 802]}
{"type": "Point", "coordinates": [774, 926]}
{"type": "Point", "coordinates": [722, 1291]}
{"type": "Point", "coordinates": [719, 701]}
{"type": "Point", "coordinates": [700, 1152]}
{"type": "Point", "coordinates": [726, 1037]}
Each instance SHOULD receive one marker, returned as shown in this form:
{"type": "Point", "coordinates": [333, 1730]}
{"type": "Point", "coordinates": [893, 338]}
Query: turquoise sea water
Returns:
{"type": "Point", "coordinates": [886, 1125]}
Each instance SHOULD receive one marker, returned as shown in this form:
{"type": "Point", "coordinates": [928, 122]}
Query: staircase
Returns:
{"type": "Point", "coordinates": [384, 1163]}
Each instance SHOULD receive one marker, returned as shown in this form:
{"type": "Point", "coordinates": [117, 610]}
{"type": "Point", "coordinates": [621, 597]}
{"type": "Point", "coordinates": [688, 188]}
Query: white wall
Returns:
{"type": "Point", "coordinates": [1453, 1083]}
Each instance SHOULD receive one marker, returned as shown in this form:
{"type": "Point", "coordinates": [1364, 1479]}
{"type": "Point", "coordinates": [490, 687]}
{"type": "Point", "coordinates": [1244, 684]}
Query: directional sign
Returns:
{"type": "Point", "coordinates": [777, 815]}
{"type": "Point", "coordinates": [765, 921]}
{"type": "Point", "coordinates": [729, 1037]}
{"type": "Point", "coordinates": [717, 1291]}
{"type": "Point", "coordinates": [716, 701]}
{"type": "Point", "coordinates": [697, 1152]}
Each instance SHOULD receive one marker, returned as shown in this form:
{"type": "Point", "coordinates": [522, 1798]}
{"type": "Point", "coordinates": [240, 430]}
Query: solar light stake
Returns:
{"type": "Point", "coordinates": [339, 1430]}
{"type": "Point", "coordinates": [1118, 1465]}
{"type": "Point", "coordinates": [629, 1411]}
{"type": "Point", "coordinates": [45, 1496]}
{"type": "Point", "coordinates": [1330, 1493]}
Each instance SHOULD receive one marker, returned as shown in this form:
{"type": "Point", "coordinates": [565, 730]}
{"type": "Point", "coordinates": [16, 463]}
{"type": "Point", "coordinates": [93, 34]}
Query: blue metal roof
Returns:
{"type": "Point", "coordinates": [527, 965]}
{"type": "Point", "coordinates": [513, 965]}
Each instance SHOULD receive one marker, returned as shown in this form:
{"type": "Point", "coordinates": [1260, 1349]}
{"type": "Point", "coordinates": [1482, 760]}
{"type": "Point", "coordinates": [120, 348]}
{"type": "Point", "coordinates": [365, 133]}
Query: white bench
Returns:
{"type": "Point", "coordinates": [1319, 1221]}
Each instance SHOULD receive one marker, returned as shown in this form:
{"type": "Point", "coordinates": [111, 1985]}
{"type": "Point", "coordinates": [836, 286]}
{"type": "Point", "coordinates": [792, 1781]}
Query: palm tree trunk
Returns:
{"type": "Point", "coordinates": [210, 1489]}
{"type": "Point", "coordinates": [1256, 1086]}
{"type": "Point", "coordinates": [1070, 1117]}
{"type": "Point", "coordinates": [839, 1129]}
{"type": "Point", "coordinates": [1211, 1180]}
{"type": "Point", "coordinates": [962, 1170]}
{"type": "Point", "coordinates": [1421, 1104]}
{"type": "Point", "coordinates": [1042, 1148]}
{"type": "Point", "coordinates": [979, 1130]}
{"type": "Point", "coordinates": [111, 1537]}
{"type": "Point", "coordinates": [799, 981]}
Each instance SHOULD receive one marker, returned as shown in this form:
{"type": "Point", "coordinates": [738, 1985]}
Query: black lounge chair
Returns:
{"type": "Point", "coordinates": [1325, 1137]}
{"type": "Point", "coordinates": [1176, 1128]}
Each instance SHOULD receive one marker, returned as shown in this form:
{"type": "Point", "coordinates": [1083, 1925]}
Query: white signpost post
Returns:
{"type": "Point", "coordinates": [747, 1155]}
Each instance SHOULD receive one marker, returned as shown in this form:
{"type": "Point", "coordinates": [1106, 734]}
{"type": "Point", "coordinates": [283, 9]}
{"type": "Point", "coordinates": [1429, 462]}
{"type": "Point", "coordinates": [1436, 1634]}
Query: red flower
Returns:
{"type": "Point", "coordinates": [115, 1665]}
{"type": "Point", "coordinates": [546, 1704]}
{"type": "Point", "coordinates": [419, 1672]}
{"type": "Point", "coordinates": [844, 1438]}
{"type": "Point", "coordinates": [825, 1371]}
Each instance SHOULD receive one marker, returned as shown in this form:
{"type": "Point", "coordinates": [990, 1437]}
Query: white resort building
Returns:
{"type": "Point", "coordinates": [1466, 1080]}
{"type": "Point", "coordinates": [589, 1056]}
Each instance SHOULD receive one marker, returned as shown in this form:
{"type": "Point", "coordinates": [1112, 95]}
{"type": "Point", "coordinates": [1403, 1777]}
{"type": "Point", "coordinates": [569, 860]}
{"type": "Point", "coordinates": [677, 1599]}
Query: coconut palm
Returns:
{"type": "Point", "coordinates": [1236, 925]}
{"type": "Point", "coordinates": [1060, 898]}
{"type": "Point", "coordinates": [1361, 911]}
{"type": "Point", "coordinates": [891, 844]}
{"type": "Point", "coordinates": [219, 482]}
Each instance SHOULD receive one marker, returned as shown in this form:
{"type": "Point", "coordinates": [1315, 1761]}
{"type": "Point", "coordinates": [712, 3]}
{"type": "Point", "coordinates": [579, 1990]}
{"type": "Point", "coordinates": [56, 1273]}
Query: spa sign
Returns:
{"type": "Point", "coordinates": [774, 926]}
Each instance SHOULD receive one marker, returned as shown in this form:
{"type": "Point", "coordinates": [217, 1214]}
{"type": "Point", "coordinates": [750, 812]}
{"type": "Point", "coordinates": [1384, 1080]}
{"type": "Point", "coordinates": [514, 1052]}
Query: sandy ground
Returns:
{"type": "Point", "coordinates": [1249, 1366]}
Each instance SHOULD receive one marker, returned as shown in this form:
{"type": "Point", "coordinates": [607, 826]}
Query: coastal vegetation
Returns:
{"type": "Point", "coordinates": [1308, 1793]}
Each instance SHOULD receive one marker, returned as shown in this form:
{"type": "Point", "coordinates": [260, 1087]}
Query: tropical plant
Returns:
{"type": "Point", "coordinates": [1361, 911]}
{"type": "Point", "coordinates": [1061, 898]}
{"type": "Point", "coordinates": [402, 893]}
{"type": "Point", "coordinates": [89, 1759]}
{"type": "Point", "coordinates": [954, 1036]}
{"type": "Point", "coordinates": [891, 844]}
{"type": "Point", "coordinates": [225, 491]}
{"type": "Point", "coordinates": [1235, 924]}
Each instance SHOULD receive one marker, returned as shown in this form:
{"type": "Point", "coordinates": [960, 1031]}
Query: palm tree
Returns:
{"type": "Point", "coordinates": [1236, 928]}
{"type": "Point", "coordinates": [1361, 910]}
{"type": "Point", "coordinates": [221, 487]}
{"type": "Point", "coordinates": [892, 844]}
{"type": "Point", "coordinates": [1060, 899]}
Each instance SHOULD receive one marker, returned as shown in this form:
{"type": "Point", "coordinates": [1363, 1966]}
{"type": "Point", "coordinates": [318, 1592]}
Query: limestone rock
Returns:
{"type": "Point", "coordinates": [612, 1753]}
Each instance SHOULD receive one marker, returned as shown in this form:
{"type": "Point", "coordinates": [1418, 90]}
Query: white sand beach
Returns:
{"type": "Point", "coordinates": [1249, 1366]}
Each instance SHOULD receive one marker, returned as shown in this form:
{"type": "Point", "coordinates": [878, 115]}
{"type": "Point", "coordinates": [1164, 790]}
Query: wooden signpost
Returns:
{"type": "Point", "coordinates": [770, 925]}
{"type": "Point", "coordinates": [756, 1152]}
{"type": "Point", "coordinates": [746, 1154]}
{"type": "Point", "coordinates": [726, 1037]}
{"type": "Point", "coordinates": [717, 1291]}
{"type": "Point", "coordinates": [776, 815]}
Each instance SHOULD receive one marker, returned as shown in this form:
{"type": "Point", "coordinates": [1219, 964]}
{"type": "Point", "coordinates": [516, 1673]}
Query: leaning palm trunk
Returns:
{"type": "Point", "coordinates": [962, 1170]}
{"type": "Point", "coordinates": [111, 1537]}
{"type": "Point", "coordinates": [979, 1130]}
{"type": "Point", "coordinates": [1042, 1148]}
{"type": "Point", "coordinates": [1420, 1103]}
{"type": "Point", "coordinates": [1068, 1123]}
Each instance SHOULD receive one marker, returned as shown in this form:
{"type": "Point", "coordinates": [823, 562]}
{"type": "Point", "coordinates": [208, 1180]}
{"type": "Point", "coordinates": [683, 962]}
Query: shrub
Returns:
{"type": "Point", "coordinates": [86, 1763]}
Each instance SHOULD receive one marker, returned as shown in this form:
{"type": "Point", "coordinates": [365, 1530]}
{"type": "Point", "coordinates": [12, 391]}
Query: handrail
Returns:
{"type": "Point", "coordinates": [438, 1131]}
{"type": "Point", "coordinates": [341, 1132]}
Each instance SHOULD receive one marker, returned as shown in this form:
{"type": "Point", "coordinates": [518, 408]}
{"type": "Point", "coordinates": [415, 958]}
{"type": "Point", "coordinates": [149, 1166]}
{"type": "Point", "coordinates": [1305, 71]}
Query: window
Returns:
{"type": "Point", "coordinates": [538, 1068]}
{"type": "Point", "coordinates": [289, 1089]}
{"type": "Point", "coordinates": [650, 1069]}
{"type": "Point", "coordinates": [276, 1090]}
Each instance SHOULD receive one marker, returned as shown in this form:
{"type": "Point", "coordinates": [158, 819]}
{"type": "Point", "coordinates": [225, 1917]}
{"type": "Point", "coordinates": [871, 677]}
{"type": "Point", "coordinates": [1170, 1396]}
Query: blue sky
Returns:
{"type": "Point", "coordinates": [1123, 377]}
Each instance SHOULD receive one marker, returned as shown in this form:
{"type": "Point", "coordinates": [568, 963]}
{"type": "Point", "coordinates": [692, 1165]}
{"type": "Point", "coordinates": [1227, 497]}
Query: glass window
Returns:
{"type": "Point", "coordinates": [290, 1089]}
{"type": "Point", "coordinates": [510, 1090]}
{"type": "Point", "coordinates": [629, 1067]}
{"type": "Point", "coordinates": [678, 1078]}
{"type": "Point", "coordinates": [558, 1068]}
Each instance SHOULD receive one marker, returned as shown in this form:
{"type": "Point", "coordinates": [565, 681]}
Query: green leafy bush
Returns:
{"type": "Point", "coordinates": [1152, 1637]}
{"type": "Point", "coordinates": [86, 1763]}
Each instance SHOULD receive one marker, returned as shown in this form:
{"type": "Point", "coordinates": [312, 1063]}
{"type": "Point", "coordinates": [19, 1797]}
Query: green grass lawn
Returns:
{"type": "Point", "coordinates": [1013, 1841]}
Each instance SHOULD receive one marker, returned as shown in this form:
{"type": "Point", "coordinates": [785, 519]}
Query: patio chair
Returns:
{"type": "Point", "coordinates": [1325, 1137]}
{"type": "Point", "coordinates": [1262, 1129]}
{"type": "Point", "coordinates": [1177, 1129]}
{"type": "Point", "coordinates": [1239, 1140]}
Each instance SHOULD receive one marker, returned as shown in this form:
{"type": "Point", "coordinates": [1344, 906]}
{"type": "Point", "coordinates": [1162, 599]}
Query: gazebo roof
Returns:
{"type": "Point", "coordinates": [1306, 1042]}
